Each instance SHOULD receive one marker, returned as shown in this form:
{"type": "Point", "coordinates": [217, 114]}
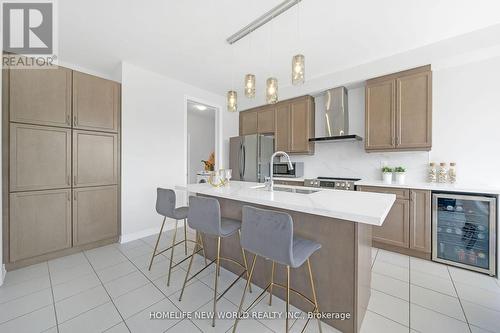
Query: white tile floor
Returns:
{"type": "Point", "coordinates": [110, 289]}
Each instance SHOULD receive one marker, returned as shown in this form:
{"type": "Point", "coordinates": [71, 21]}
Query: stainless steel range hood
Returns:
{"type": "Point", "coordinates": [336, 115]}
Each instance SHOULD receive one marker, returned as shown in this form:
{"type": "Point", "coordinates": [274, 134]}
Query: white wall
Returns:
{"type": "Point", "coordinates": [154, 142]}
{"type": "Point", "coordinates": [466, 120]}
{"type": "Point", "coordinates": [201, 134]}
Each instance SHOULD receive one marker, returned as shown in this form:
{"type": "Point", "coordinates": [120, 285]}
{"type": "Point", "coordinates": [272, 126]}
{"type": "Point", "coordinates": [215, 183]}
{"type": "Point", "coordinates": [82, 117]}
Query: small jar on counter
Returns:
{"type": "Point", "coordinates": [452, 173]}
{"type": "Point", "coordinates": [442, 175]}
{"type": "Point", "coordinates": [432, 176]}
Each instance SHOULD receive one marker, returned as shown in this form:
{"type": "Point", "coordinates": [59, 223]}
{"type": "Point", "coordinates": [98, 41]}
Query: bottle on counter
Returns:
{"type": "Point", "coordinates": [452, 173]}
{"type": "Point", "coordinates": [442, 176]}
{"type": "Point", "coordinates": [432, 176]}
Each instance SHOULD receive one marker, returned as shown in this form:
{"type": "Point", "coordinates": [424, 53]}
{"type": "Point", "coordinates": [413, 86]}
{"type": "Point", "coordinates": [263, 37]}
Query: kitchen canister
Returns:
{"type": "Point", "coordinates": [432, 173]}
{"type": "Point", "coordinates": [442, 176]}
{"type": "Point", "coordinates": [452, 173]}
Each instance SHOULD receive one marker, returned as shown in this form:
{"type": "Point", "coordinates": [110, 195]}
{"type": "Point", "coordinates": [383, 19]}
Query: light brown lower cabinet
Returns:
{"type": "Point", "coordinates": [40, 223]}
{"type": "Point", "coordinates": [420, 220]}
{"type": "Point", "coordinates": [395, 230]}
{"type": "Point", "coordinates": [408, 224]}
{"type": "Point", "coordinates": [95, 214]}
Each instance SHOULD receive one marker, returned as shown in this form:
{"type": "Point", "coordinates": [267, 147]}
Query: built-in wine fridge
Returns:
{"type": "Point", "coordinates": [463, 231]}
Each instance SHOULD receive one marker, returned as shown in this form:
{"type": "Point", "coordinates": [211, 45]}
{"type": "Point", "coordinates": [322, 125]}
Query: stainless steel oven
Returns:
{"type": "Point", "coordinates": [464, 231]}
{"type": "Point", "coordinates": [282, 170]}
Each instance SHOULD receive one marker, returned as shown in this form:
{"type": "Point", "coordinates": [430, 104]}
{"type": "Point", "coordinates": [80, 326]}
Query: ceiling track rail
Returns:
{"type": "Point", "coordinates": [263, 19]}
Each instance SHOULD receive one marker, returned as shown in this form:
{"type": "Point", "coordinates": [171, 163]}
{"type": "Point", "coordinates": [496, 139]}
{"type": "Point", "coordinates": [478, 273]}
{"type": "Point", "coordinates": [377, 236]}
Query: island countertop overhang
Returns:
{"type": "Point", "coordinates": [361, 207]}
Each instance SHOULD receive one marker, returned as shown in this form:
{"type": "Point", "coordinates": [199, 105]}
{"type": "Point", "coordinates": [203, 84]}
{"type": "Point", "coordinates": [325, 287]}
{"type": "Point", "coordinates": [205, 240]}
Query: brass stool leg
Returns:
{"type": "Point", "coordinates": [287, 296]}
{"type": "Point", "coordinates": [244, 259]}
{"type": "Point", "coordinates": [156, 245]}
{"type": "Point", "coordinates": [203, 248]}
{"type": "Point", "coordinates": [172, 253]}
{"type": "Point", "coordinates": [217, 267]}
{"type": "Point", "coordinates": [185, 239]}
{"type": "Point", "coordinates": [187, 273]}
{"type": "Point", "coordinates": [314, 293]}
{"type": "Point", "coordinates": [244, 293]}
{"type": "Point", "coordinates": [271, 286]}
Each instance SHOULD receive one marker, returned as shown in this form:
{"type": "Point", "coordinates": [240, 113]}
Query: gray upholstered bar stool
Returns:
{"type": "Point", "coordinates": [269, 234]}
{"type": "Point", "coordinates": [204, 217]}
{"type": "Point", "coordinates": [165, 206]}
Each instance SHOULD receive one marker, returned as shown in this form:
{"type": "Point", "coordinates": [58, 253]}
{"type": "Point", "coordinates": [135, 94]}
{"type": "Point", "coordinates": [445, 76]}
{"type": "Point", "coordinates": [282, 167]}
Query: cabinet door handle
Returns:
{"type": "Point", "coordinates": [393, 142]}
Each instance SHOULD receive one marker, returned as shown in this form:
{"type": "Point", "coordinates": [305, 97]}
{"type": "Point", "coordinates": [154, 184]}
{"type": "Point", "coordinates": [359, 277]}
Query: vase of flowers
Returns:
{"type": "Point", "coordinates": [400, 173]}
{"type": "Point", "coordinates": [387, 175]}
{"type": "Point", "coordinates": [210, 163]}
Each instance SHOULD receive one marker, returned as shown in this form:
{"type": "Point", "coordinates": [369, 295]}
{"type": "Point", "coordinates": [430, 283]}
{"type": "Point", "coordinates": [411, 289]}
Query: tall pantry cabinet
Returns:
{"type": "Point", "coordinates": [62, 166]}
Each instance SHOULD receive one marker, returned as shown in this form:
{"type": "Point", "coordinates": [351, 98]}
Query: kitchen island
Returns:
{"type": "Point", "coordinates": [340, 220]}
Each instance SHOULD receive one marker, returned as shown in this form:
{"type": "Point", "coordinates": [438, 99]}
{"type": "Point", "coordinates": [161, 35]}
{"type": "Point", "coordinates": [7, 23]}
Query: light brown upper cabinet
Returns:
{"type": "Point", "coordinates": [265, 120]}
{"type": "Point", "coordinates": [40, 96]}
{"type": "Point", "coordinates": [398, 111]}
{"type": "Point", "coordinates": [248, 122]}
{"type": "Point", "coordinates": [95, 214]}
{"type": "Point", "coordinates": [96, 103]}
{"type": "Point", "coordinates": [302, 125]}
{"type": "Point", "coordinates": [40, 223]}
{"type": "Point", "coordinates": [420, 220]}
{"type": "Point", "coordinates": [282, 133]}
{"type": "Point", "coordinates": [295, 125]}
{"type": "Point", "coordinates": [291, 121]}
{"type": "Point", "coordinates": [95, 158]}
{"type": "Point", "coordinates": [40, 157]}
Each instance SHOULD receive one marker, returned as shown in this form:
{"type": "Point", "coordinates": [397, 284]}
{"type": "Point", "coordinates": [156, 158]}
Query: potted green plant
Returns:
{"type": "Point", "coordinates": [387, 174]}
{"type": "Point", "coordinates": [400, 174]}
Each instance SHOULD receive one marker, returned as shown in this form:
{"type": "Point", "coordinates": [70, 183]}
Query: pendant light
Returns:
{"type": "Point", "coordinates": [232, 101]}
{"type": "Point", "coordinates": [272, 90]}
{"type": "Point", "coordinates": [232, 96]}
{"type": "Point", "coordinates": [298, 69]}
{"type": "Point", "coordinates": [298, 60]}
{"type": "Point", "coordinates": [250, 85]}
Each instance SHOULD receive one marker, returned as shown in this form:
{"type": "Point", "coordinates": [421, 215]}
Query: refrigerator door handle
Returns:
{"type": "Point", "coordinates": [240, 156]}
{"type": "Point", "coordinates": [244, 160]}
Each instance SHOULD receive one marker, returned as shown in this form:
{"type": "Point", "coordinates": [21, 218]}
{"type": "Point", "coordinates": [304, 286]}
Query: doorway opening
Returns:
{"type": "Point", "coordinates": [201, 138]}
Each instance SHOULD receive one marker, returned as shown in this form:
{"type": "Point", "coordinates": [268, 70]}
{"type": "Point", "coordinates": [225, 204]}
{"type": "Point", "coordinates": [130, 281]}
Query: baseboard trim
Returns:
{"type": "Point", "coordinates": [145, 233]}
{"type": "Point", "coordinates": [4, 272]}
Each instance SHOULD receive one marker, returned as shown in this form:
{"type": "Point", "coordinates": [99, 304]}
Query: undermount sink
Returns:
{"type": "Point", "coordinates": [286, 189]}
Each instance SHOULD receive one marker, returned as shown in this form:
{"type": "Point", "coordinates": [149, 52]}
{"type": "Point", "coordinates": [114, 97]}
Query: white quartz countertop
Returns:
{"type": "Point", "coordinates": [458, 187]}
{"type": "Point", "coordinates": [361, 207]}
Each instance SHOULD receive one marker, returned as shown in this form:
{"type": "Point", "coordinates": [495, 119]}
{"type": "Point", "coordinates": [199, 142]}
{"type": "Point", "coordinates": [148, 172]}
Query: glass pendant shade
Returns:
{"type": "Point", "coordinates": [298, 69]}
{"type": "Point", "coordinates": [272, 90]}
{"type": "Point", "coordinates": [250, 85]}
{"type": "Point", "coordinates": [232, 101]}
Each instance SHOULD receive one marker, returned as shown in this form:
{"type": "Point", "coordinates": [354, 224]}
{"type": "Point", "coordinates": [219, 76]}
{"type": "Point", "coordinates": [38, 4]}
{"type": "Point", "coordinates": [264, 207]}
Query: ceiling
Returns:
{"type": "Point", "coordinates": [185, 39]}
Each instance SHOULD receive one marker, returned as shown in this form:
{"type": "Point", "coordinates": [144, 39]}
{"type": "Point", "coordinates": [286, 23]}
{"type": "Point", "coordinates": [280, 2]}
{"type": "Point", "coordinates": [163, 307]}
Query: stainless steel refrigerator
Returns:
{"type": "Point", "coordinates": [249, 157]}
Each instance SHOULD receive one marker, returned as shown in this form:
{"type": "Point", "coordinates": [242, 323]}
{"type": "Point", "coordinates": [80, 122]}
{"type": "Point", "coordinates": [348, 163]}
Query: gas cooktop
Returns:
{"type": "Point", "coordinates": [337, 183]}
